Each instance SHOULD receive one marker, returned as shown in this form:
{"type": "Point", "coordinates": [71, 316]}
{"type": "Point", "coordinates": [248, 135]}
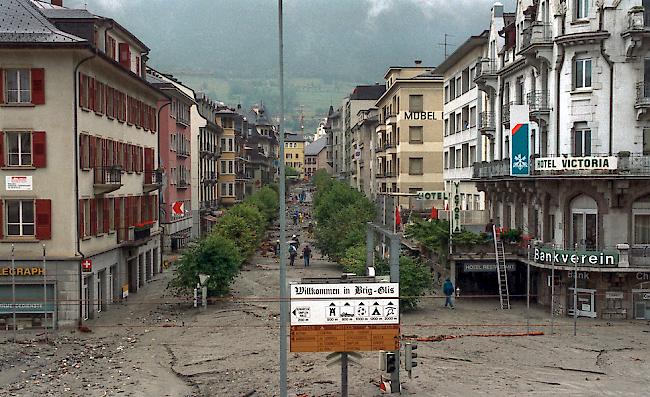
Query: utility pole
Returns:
{"type": "Point", "coordinates": [445, 44]}
{"type": "Point", "coordinates": [283, 221]}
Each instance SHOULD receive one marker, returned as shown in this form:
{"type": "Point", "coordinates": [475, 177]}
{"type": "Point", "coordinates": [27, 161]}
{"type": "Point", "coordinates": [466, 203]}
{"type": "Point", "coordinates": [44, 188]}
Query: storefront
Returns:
{"type": "Point", "coordinates": [479, 278]}
{"type": "Point", "coordinates": [641, 299]}
{"type": "Point", "coordinates": [30, 295]}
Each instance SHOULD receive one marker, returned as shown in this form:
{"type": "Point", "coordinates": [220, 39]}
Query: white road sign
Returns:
{"type": "Point", "coordinates": [339, 291]}
{"type": "Point", "coordinates": [345, 311]}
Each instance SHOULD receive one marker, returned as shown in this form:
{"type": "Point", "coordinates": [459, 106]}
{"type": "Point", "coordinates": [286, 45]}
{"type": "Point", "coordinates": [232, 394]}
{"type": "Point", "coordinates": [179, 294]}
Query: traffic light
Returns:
{"type": "Point", "coordinates": [409, 356]}
{"type": "Point", "coordinates": [390, 362]}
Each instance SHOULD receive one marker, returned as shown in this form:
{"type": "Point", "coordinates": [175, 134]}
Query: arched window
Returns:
{"type": "Point", "coordinates": [584, 223]}
{"type": "Point", "coordinates": [641, 221]}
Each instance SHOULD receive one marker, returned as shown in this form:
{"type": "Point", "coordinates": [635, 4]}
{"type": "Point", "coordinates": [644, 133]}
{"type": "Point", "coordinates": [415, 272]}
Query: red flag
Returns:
{"type": "Point", "coordinates": [398, 219]}
{"type": "Point", "coordinates": [434, 213]}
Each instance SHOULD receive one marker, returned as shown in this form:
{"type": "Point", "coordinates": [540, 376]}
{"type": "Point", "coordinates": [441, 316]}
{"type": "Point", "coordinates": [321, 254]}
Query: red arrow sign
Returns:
{"type": "Point", "coordinates": [178, 207]}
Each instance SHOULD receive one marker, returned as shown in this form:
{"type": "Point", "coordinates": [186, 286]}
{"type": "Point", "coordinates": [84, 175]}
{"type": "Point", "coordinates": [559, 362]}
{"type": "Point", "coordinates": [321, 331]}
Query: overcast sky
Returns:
{"type": "Point", "coordinates": [334, 39]}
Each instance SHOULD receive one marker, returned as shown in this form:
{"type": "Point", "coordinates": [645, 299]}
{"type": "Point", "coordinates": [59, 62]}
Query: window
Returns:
{"type": "Point", "coordinates": [446, 127]}
{"type": "Point", "coordinates": [581, 141]}
{"type": "Point", "coordinates": [465, 155]}
{"type": "Point", "coordinates": [584, 225]}
{"type": "Point", "coordinates": [415, 134]}
{"type": "Point", "coordinates": [646, 141]}
{"type": "Point", "coordinates": [641, 214]}
{"type": "Point", "coordinates": [459, 122]}
{"type": "Point", "coordinates": [446, 160]}
{"type": "Point", "coordinates": [223, 167]}
{"type": "Point", "coordinates": [465, 77]}
{"type": "Point", "coordinates": [18, 86]}
{"type": "Point", "coordinates": [472, 117]}
{"type": "Point", "coordinates": [582, 73]}
{"type": "Point", "coordinates": [446, 93]}
{"type": "Point", "coordinates": [19, 148]}
{"type": "Point", "coordinates": [506, 148]}
{"type": "Point", "coordinates": [582, 9]}
{"type": "Point", "coordinates": [20, 218]}
{"type": "Point", "coordinates": [465, 117]}
{"type": "Point", "coordinates": [415, 103]}
{"type": "Point", "coordinates": [415, 166]}
{"type": "Point", "coordinates": [452, 158]}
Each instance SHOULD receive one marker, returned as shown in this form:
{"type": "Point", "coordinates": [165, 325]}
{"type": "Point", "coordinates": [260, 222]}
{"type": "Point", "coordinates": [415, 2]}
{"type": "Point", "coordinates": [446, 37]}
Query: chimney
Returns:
{"type": "Point", "coordinates": [57, 3]}
{"type": "Point", "coordinates": [418, 62]}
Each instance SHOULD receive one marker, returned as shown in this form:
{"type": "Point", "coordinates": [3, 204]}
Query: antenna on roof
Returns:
{"type": "Point", "coordinates": [446, 44]}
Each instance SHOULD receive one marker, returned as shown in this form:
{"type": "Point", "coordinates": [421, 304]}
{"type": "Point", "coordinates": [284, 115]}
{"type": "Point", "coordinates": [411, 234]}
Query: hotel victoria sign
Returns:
{"type": "Point", "coordinates": [575, 163]}
{"type": "Point", "coordinates": [583, 258]}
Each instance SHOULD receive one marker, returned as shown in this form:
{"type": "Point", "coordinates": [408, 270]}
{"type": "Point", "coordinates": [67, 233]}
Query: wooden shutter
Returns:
{"type": "Point", "coordinates": [81, 218]}
{"type": "Point", "coordinates": [117, 204]}
{"type": "Point", "coordinates": [2, 225]}
{"type": "Point", "coordinates": [148, 159]}
{"type": "Point", "coordinates": [2, 152]}
{"type": "Point", "coordinates": [91, 93]}
{"type": "Point", "coordinates": [106, 215]}
{"type": "Point", "coordinates": [39, 149]}
{"type": "Point", "coordinates": [38, 86]}
{"type": "Point", "coordinates": [125, 55]}
{"type": "Point", "coordinates": [92, 151]}
{"type": "Point", "coordinates": [82, 94]}
{"type": "Point", "coordinates": [2, 90]}
{"type": "Point", "coordinates": [93, 217]}
{"type": "Point", "coordinates": [127, 213]}
{"type": "Point", "coordinates": [43, 219]}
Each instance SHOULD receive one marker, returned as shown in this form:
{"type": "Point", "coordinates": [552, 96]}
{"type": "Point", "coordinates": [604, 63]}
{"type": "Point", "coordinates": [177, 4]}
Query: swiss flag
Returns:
{"type": "Point", "coordinates": [434, 213]}
{"type": "Point", "coordinates": [398, 218]}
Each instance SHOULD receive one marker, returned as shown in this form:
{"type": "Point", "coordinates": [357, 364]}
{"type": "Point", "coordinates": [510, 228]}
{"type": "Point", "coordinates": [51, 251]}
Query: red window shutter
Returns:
{"type": "Point", "coordinates": [91, 93]}
{"type": "Point", "coordinates": [93, 217]}
{"type": "Point", "coordinates": [81, 218]}
{"type": "Point", "coordinates": [1, 221]}
{"type": "Point", "coordinates": [2, 91]}
{"type": "Point", "coordinates": [82, 94]}
{"type": "Point", "coordinates": [127, 212]}
{"type": "Point", "coordinates": [93, 151]}
{"type": "Point", "coordinates": [43, 219]}
{"type": "Point", "coordinates": [2, 151]}
{"type": "Point", "coordinates": [117, 203]}
{"type": "Point", "coordinates": [39, 149]}
{"type": "Point", "coordinates": [38, 86]}
{"type": "Point", "coordinates": [106, 213]}
{"type": "Point", "coordinates": [125, 55]}
{"type": "Point", "coordinates": [115, 153]}
{"type": "Point", "coordinates": [148, 159]}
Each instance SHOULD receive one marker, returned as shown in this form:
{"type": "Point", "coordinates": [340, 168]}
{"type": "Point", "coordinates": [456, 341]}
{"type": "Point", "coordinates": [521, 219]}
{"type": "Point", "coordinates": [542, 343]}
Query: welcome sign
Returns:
{"type": "Point", "coordinates": [583, 258]}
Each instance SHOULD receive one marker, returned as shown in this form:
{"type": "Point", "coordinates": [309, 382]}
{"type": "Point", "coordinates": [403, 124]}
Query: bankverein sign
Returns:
{"type": "Point", "coordinates": [549, 256]}
{"type": "Point", "coordinates": [575, 163]}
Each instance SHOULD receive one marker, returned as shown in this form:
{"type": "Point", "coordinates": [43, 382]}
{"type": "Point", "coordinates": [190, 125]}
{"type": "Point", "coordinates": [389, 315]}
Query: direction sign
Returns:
{"type": "Point", "coordinates": [344, 338]}
{"type": "Point", "coordinates": [341, 290]}
{"type": "Point", "coordinates": [345, 311]}
{"type": "Point", "coordinates": [178, 207]}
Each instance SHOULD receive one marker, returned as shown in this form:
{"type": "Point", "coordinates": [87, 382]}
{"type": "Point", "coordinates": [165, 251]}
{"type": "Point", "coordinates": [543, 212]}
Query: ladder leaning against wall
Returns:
{"type": "Point", "coordinates": [502, 273]}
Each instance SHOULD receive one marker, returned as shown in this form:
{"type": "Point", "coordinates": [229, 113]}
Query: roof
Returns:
{"type": "Point", "coordinates": [67, 13]}
{"type": "Point", "coordinates": [21, 22]}
{"type": "Point", "coordinates": [367, 92]}
{"type": "Point", "coordinates": [314, 148]}
{"type": "Point", "coordinates": [470, 44]}
{"type": "Point", "coordinates": [289, 137]}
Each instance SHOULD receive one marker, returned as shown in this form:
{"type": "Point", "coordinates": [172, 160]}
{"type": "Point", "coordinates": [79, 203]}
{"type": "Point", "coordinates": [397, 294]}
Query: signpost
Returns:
{"type": "Point", "coordinates": [178, 208]}
{"type": "Point", "coordinates": [344, 317]}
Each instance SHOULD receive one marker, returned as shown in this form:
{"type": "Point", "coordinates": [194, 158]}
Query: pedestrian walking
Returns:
{"type": "Point", "coordinates": [295, 218]}
{"type": "Point", "coordinates": [448, 290]}
{"type": "Point", "coordinates": [293, 252]}
{"type": "Point", "coordinates": [306, 254]}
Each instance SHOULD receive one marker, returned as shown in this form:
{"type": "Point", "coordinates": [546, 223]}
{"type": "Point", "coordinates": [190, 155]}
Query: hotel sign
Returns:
{"type": "Point", "coordinates": [575, 163]}
{"type": "Point", "coordinates": [582, 258]}
{"type": "Point", "coordinates": [432, 195]}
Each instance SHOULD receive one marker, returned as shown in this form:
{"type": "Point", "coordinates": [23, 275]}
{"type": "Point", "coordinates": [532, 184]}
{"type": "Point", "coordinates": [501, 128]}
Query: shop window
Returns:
{"type": "Point", "coordinates": [641, 221]}
{"type": "Point", "coordinates": [584, 223]}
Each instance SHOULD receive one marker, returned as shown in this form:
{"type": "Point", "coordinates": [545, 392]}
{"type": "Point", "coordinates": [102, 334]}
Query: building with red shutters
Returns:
{"type": "Point", "coordinates": [78, 140]}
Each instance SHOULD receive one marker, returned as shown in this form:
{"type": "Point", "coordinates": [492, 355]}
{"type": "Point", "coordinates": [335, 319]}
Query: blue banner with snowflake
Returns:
{"type": "Point", "coordinates": [520, 155]}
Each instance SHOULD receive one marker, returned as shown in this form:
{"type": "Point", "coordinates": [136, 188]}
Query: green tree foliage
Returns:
{"type": "Point", "coordinates": [291, 172]}
{"type": "Point", "coordinates": [341, 214]}
{"type": "Point", "coordinates": [215, 256]}
{"type": "Point", "coordinates": [434, 235]}
{"type": "Point", "coordinates": [354, 260]}
{"type": "Point", "coordinates": [235, 237]}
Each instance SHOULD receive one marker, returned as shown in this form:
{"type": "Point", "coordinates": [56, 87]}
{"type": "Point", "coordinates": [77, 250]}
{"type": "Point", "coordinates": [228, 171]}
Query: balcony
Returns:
{"type": "Point", "coordinates": [642, 95]}
{"type": "Point", "coordinates": [182, 184]}
{"type": "Point", "coordinates": [485, 69]}
{"type": "Point", "coordinates": [390, 174]}
{"type": "Point", "coordinates": [492, 169]}
{"type": "Point", "coordinates": [135, 235]}
{"type": "Point", "coordinates": [638, 30]}
{"type": "Point", "coordinates": [380, 148]}
{"type": "Point", "coordinates": [182, 150]}
{"type": "Point", "coordinates": [390, 145]}
{"type": "Point", "coordinates": [505, 114]}
{"type": "Point", "coordinates": [486, 123]}
{"type": "Point", "coordinates": [538, 34]}
{"type": "Point", "coordinates": [107, 179]}
{"type": "Point", "coordinates": [209, 178]}
{"type": "Point", "coordinates": [538, 102]}
{"type": "Point", "coordinates": [152, 181]}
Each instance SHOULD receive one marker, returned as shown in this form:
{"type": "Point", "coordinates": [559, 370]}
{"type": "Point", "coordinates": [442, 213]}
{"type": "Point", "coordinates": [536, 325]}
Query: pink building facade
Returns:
{"type": "Point", "coordinates": [174, 149]}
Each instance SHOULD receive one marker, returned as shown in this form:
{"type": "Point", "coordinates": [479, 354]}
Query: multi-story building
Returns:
{"type": "Point", "coordinates": [294, 152]}
{"type": "Point", "coordinates": [205, 154]}
{"type": "Point", "coordinates": [174, 161]}
{"type": "Point", "coordinates": [409, 133]}
{"type": "Point", "coordinates": [231, 124]}
{"type": "Point", "coordinates": [337, 142]}
{"type": "Point", "coordinates": [80, 205]}
{"type": "Point", "coordinates": [363, 151]}
{"type": "Point", "coordinates": [569, 154]}
{"type": "Point", "coordinates": [316, 157]}
{"type": "Point", "coordinates": [463, 140]}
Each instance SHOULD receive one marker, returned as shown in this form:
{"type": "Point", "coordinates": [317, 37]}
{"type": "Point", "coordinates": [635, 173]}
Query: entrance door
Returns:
{"type": "Point", "coordinates": [132, 265]}
{"type": "Point", "coordinates": [586, 302]}
{"type": "Point", "coordinates": [86, 304]}
{"type": "Point", "coordinates": [100, 288]}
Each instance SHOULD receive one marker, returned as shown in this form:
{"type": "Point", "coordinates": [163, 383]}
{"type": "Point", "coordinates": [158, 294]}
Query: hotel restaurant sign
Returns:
{"type": "Point", "coordinates": [549, 256]}
{"type": "Point", "coordinates": [575, 163]}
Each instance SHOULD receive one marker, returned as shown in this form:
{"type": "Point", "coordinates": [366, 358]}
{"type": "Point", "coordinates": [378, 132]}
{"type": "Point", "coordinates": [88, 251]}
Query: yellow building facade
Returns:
{"type": "Point", "coordinates": [294, 153]}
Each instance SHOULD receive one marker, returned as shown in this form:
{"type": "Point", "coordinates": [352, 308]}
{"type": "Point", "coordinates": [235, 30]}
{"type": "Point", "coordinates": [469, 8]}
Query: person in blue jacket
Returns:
{"type": "Point", "coordinates": [448, 289]}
